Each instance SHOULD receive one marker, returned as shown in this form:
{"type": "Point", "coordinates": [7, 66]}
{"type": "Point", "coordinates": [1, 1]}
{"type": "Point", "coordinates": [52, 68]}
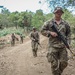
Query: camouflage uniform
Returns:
{"type": "Point", "coordinates": [21, 38]}
{"type": "Point", "coordinates": [57, 53]}
{"type": "Point", "coordinates": [13, 39]}
{"type": "Point", "coordinates": [34, 36]}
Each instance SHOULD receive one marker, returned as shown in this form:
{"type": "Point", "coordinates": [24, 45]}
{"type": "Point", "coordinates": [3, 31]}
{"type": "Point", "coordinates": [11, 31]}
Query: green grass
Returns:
{"type": "Point", "coordinates": [6, 31]}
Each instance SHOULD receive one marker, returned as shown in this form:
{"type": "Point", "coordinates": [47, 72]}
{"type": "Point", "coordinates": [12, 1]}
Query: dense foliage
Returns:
{"type": "Point", "coordinates": [66, 4]}
{"type": "Point", "coordinates": [27, 19]}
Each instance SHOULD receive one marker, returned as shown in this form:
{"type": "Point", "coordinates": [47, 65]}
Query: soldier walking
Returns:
{"type": "Point", "coordinates": [57, 53]}
{"type": "Point", "coordinates": [12, 39]}
{"type": "Point", "coordinates": [34, 36]}
{"type": "Point", "coordinates": [21, 38]}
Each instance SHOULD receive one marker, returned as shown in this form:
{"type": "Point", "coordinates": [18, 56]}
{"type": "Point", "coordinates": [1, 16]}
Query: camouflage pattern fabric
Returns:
{"type": "Point", "coordinates": [58, 58]}
{"type": "Point", "coordinates": [34, 36]}
{"type": "Point", "coordinates": [57, 53]}
{"type": "Point", "coordinates": [34, 48]}
{"type": "Point", "coordinates": [21, 38]}
{"type": "Point", "coordinates": [13, 40]}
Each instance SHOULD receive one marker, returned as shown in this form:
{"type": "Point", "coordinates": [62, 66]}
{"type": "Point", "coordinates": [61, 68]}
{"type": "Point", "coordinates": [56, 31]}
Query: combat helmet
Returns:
{"type": "Point", "coordinates": [58, 8]}
{"type": "Point", "coordinates": [34, 28]}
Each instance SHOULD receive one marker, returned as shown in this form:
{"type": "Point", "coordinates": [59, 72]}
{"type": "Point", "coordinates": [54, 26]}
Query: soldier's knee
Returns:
{"type": "Point", "coordinates": [54, 65]}
{"type": "Point", "coordinates": [50, 58]}
{"type": "Point", "coordinates": [33, 50]}
{"type": "Point", "coordinates": [36, 49]}
{"type": "Point", "coordinates": [63, 65]}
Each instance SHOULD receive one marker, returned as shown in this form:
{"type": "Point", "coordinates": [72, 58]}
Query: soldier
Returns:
{"type": "Point", "coordinates": [21, 38]}
{"type": "Point", "coordinates": [12, 39]}
{"type": "Point", "coordinates": [34, 36]}
{"type": "Point", "coordinates": [57, 53]}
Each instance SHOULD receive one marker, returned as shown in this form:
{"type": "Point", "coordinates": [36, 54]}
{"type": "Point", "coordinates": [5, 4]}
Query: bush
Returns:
{"type": "Point", "coordinates": [6, 31]}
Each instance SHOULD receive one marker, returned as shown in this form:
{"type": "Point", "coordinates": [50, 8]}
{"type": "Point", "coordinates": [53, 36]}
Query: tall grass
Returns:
{"type": "Point", "coordinates": [6, 31]}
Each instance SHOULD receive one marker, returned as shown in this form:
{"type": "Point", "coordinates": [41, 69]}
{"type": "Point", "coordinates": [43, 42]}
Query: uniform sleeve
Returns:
{"type": "Point", "coordinates": [68, 33]}
{"type": "Point", "coordinates": [30, 35]}
{"type": "Point", "coordinates": [45, 30]}
{"type": "Point", "coordinates": [38, 36]}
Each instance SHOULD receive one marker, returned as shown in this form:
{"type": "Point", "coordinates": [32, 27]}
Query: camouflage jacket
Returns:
{"type": "Point", "coordinates": [13, 37]}
{"type": "Point", "coordinates": [34, 35]}
{"type": "Point", "coordinates": [63, 27]}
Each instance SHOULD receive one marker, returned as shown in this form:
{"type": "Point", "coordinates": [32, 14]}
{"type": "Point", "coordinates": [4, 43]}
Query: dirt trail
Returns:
{"type": "Point", "coordinates": [18, 60]}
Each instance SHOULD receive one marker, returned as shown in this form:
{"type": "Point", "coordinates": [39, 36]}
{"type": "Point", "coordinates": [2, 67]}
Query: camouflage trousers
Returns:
{"type": "Point", "coordinates": [12, 42]}
{"type": "Point", "coordinates": [58, 59]}
{"type": "Point", "coordinates": [21, 40]}
{"type": "Point", "coordinates": [34, 48]}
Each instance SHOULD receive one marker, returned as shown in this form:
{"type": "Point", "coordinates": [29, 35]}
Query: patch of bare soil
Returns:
{"type": "Point", "coordinates": [18, 60]}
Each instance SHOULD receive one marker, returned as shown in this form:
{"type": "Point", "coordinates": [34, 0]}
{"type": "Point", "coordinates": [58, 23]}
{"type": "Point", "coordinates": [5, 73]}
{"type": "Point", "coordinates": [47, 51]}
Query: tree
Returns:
{"type": "Point", "coordinates": [5, 11]}
{"type": "Point", "coordinates": [14, 19]}
{"type": "Point", "coordinates": [26, 20]}
{"type": "Point", "coordinates": [63, 3]}
{"type": "Point", "coordinates": [38, 19]}
{"type": "Point", "coordinates": [4, 21]}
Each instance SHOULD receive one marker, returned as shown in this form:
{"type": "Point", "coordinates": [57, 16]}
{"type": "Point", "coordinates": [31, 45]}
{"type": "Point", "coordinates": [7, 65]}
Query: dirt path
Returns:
{"type": "Point", "coordinates": [18, 60]}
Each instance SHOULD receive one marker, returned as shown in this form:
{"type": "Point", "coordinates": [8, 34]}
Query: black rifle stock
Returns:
{"type": "Point", "coordinates": [61, 36]}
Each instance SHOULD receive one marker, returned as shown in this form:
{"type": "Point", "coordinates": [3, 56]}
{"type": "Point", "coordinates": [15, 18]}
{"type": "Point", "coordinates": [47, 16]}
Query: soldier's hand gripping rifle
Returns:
{"type": "Point", "coordinates": [36, 40]}
{"type": "Point", "coordinates": [61, 37]}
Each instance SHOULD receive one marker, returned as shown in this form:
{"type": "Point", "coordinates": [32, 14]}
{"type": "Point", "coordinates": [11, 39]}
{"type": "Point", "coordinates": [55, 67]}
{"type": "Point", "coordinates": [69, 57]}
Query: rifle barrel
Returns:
{"type": "Point", "coordinates": [63, 39]}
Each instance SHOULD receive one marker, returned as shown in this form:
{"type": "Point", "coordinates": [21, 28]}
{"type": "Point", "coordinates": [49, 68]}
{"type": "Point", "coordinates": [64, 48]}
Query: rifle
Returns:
{"type": "Point", "coordinates": [37, 42]}
{"type": "Point", "coordinates": [61, 37]}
